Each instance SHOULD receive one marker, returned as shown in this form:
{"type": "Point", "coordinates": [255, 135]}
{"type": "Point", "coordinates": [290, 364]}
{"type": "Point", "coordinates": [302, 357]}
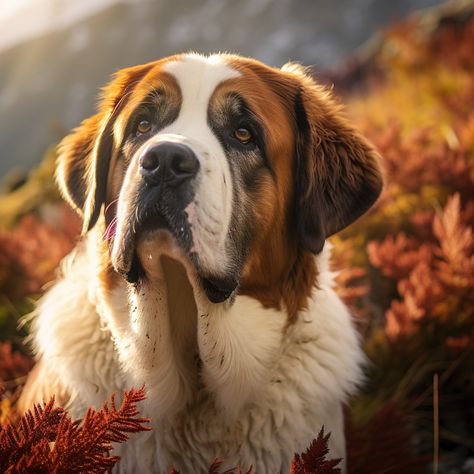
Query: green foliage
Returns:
{"type": "Point", "coordinates": [29, 257]}
{"type": "Point", "coordinates": [38, 190]}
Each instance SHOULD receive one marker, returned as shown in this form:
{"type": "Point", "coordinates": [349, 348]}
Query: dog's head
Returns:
{"type": "Point", "coordinates": [234, 167]}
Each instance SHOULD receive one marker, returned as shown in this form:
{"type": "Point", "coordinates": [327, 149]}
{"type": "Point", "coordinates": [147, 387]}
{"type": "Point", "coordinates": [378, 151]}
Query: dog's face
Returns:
{"type": "Point", "coordinates": [235, 168]}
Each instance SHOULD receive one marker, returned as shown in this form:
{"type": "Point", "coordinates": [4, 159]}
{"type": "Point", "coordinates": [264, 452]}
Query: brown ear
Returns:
{"type": "Point", "coordinates": [338, 175]}
{"type": "Point", "coordinates": [84, 155]}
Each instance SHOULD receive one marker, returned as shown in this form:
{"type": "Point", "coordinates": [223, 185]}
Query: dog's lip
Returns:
{"type": "Point", "coordinates": [123, 253]}
{"type": "Point", "coordinates": [218, 289]}
{"type": "Point", "coordinates": [126, 261]}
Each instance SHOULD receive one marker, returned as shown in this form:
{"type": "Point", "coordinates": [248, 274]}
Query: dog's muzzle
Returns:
{"type": "Point", "coordinates": [167, 172]}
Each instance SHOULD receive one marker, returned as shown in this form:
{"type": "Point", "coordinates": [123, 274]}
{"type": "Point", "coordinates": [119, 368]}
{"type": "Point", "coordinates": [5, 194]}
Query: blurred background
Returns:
{"type": "Point", "coordinates": [55, 54]}
{"type": "Point", "coordinates": [405, 71]}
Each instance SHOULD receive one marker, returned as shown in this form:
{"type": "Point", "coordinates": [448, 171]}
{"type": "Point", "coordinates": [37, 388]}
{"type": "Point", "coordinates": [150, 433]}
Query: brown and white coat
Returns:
{"type": "Point", "coordinates": [207, 188]}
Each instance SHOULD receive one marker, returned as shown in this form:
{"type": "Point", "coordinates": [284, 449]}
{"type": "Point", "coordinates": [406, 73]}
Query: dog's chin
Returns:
{"type": "Point", "coordinates": [139, 254]}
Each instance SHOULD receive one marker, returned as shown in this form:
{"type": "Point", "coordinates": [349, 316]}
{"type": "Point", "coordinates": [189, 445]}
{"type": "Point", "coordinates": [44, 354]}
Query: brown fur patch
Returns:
{"type": "Point", "coordinates": [278, 272]}
{"type": "Point", "coordinates": [77, 165]}
{"type": "Point", "coordinates": [85, 155]}
{"type": "Point", "coordinates": [338, 171]}
{"type": "Point", "coordinates": [327, 175]}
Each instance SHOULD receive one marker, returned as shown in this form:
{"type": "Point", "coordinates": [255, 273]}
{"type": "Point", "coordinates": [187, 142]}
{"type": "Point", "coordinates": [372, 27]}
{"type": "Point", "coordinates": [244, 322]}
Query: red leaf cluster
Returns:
{"type": "Point", "coordinates": [314, 461]}
{"type": "Point", "coordinates": [426, 161]}
{"type": "Point", "coordinates": [434, 279]}
{"type": "Point", "coordinates": [30, 253]}
{"type": "Point", "coordinates": [417, 246]}
{"type": "Point", "coordinates": [47, 440]}
{"type": "Point", "coordinates": [14, 366]}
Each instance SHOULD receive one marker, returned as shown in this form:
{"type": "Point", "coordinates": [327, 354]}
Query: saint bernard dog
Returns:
{"type": "Point", "coordinates": [207, 186]}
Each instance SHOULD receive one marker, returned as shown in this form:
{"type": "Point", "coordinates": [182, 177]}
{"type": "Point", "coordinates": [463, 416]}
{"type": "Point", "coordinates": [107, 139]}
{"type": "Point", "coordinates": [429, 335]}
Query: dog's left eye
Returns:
{"type": "Point", "coordinates": [144, 126]}
{"type": "Point", "coordinates": [243, 135]}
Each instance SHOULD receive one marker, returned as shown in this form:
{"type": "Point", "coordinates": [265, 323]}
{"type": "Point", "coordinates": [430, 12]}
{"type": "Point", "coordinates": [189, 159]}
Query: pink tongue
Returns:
{"type": "Point", "coordinates": [111, 230]}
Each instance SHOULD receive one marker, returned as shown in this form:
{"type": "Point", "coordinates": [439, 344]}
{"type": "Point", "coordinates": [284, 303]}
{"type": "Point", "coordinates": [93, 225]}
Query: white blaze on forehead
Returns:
{"type": "Point", "coordinates": [210, 214]}
{"type": "Point", "coordinates": [198, 76]}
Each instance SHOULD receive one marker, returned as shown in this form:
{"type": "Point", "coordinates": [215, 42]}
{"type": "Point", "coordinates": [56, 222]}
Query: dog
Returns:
{"type": "Point", "coordinates": [207, 187]}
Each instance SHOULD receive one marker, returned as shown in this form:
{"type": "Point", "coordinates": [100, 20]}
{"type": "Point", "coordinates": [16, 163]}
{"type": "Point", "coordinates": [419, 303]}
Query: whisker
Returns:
{"type": "Point", "coordinates": [111, 229]}
{"type": "Point", "coordinates": [110, 205]}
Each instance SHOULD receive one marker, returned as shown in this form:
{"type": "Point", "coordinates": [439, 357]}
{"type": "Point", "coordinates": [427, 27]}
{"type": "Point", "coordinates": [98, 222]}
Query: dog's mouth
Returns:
{"type": "Point", "coordinates": [143, 241]}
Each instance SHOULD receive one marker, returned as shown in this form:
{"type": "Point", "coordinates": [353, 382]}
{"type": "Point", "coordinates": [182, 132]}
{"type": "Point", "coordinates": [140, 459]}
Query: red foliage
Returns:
{"type": "Point", "coordinates": [46, 440]}
{"type": "Point", "coordinates": [419, 261]}
{"type": "Point", "coordinates": [31, 252]}
{"type": "Point", "coordinates": [314, 461]}
{"type": "Point", "coordinates": [13, 364]}
{"type": "Point", "coordinates": [383, 444]}
{"type": "Point", "coordinates": [454, 36]}
{"type": "Point", "coordinates": [426, 272]}
{"type": "Point", "coordinates": [426, 161]}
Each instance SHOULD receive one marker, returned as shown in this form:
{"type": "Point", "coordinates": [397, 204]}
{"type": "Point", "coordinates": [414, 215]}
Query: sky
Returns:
{"type": "Point", "coordinates": [21, 20]}
{"type": "Point", "coordinates": [24, 19]}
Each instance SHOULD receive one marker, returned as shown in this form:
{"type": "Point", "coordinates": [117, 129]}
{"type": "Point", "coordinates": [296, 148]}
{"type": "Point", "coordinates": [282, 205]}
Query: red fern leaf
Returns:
{"type": "Point", "coordinates": [314, 461]}
{"type": "Point", "coordinates": [34, 427]}
{"type": "Point", "coordinates": [214, 467]}
{"type": "Point", "coordinates": [79, 446]}
{"type": "Point", "coordinates": [85, 446]}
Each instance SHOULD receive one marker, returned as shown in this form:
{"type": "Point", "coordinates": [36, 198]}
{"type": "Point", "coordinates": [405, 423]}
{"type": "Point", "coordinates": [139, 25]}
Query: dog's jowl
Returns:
{"type": "Point", "coordinates": [208, 187]}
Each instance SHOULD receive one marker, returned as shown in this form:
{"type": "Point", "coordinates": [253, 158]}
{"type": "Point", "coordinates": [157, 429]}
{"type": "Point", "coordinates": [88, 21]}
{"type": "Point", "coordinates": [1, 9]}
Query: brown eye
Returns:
{"type": "Point", "coordinates": [144, 126]}
{"type": "Point", "coordinates": [243, 135]}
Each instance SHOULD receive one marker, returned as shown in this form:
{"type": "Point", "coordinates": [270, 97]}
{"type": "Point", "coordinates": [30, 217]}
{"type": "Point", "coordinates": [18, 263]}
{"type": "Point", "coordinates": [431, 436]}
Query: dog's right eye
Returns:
{"type": "Point", "coordinates": [144, 126]}
{"type": "Point", "coordinates": [243, 135]}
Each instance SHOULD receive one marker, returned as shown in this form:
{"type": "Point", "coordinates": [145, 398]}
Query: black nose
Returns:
{"type": "Point", "coordinates": [170, 163]}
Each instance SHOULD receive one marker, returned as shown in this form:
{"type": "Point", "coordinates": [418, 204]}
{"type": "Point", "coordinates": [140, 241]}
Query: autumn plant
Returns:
{"type": "Point", "coordinates": [411, 261]}
{"type": "Point", "coordinates": [46, 439]}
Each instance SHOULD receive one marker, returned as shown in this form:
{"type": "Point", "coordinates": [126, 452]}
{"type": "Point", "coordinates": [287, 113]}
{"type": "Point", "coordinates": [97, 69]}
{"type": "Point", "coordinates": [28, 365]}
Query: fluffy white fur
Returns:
{"type": "Point", "coordinates": [263, 393]}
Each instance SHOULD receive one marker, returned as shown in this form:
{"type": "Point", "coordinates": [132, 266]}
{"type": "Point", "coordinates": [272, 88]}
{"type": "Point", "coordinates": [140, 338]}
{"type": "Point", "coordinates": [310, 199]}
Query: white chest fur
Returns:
{"type": "Point", "coordinates": [259, 394]}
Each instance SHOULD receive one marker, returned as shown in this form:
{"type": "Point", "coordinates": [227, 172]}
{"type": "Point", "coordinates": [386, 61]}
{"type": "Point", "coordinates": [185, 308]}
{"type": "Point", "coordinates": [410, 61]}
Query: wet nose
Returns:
{"type": "Point", "coordinates": [168, 163]}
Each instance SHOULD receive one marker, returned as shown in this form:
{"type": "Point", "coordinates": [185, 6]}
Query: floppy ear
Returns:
{"type": "Point", "coordinates": [84, 155]}
{"type": "Point", "coordinates": [338, 175]}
